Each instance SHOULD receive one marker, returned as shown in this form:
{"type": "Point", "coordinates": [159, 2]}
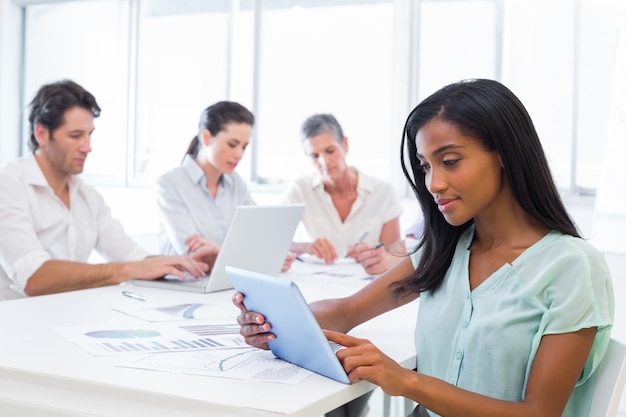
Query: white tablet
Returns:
{"type": "Point", "coordinates": [299, 338]}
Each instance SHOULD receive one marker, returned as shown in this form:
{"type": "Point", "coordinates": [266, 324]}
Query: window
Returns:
{"type": "Point", "coordinates": [539, 68]}
{"type": "Point", "coordinates": [182, 67]}
{"type": "Point", "coordinates": [601, 22]}
{"type": "Point", "coordinates": [336, 58]}
{"type": "Point", "coordinates": [154, 65]}
{"type": "Point", "coordinates": [86, 41]}
{"type": "Point", "coordinates": [458, 40]}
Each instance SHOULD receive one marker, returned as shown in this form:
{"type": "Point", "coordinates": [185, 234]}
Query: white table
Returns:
{"type": "Point", "coordinates": [44, 374]}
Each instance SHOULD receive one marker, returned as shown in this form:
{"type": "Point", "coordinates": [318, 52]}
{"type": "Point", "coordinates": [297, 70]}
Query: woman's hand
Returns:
{"type": "Point", "coordinates": [201, 249]}
{"type": "Point", "coordinates": [288, 261]}
{"type": "Point", "coordinates": [195, 242]}
{"type": "Point", "coordinates": [364, 361]}
{"type": "Point", "coordinates": [375, 260]}
{"type": "Point", "coordinates": [254, 328]}
{"type": "Point", "coordinates": [323, 249]}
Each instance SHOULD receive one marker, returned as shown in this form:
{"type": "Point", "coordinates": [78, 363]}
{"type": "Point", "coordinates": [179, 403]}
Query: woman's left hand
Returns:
{"type": "Point", "coordinates": [364, 361]}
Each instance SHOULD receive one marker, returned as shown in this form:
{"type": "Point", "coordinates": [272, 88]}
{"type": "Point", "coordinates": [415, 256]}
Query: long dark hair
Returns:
{"type": "Point", "coordinates": [491, 113]}
{"type": "Point", "coordinates": [215, 117]}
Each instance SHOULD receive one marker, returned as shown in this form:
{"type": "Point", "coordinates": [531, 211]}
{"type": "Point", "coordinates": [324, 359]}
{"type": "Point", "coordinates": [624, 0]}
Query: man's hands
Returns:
{"type": "Point", "coordinates": [158, 266]}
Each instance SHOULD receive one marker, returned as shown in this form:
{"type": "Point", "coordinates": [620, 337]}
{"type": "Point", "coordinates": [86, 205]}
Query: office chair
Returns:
{"type": "Point", "coordinates": [610, 381]}
{"type": "Point", "coordinates": [606, 394]}
{"type": "Point", "coordinates": [404, 405]}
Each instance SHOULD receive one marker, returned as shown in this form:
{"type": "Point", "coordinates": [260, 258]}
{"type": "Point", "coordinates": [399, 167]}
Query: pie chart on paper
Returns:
{"type": "Point", "coordinates": [123, 334]}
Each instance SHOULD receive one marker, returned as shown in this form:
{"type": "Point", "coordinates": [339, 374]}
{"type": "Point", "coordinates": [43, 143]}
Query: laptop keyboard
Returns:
{"type": "Point", "coordinates": [188, 277]}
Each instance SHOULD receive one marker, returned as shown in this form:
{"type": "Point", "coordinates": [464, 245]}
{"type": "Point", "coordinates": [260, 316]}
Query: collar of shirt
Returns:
{"type": "Point", "coordinates": [197, 176]}
{"type": "Point", "coordinates": [34, 175]}
{"type": "Point", "coordinates": [364, 183]}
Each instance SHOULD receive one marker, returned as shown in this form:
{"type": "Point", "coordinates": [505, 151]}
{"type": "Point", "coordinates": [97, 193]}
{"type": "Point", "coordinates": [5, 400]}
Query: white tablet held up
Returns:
{"type": "Point", "coordinates": [299, 338]}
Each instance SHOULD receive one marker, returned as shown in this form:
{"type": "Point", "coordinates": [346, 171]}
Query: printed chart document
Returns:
{"type": "Point", "coordinates": [153, 338]}
{"type": "Point", "coordinates": [248, 364]}
{"type": "Point", "coordinates": [172, 312]}
{"type": "Point", "coordinates": [201, 338]}
{"type": "Point", "coordinates": [186, 348]}
{"type": "Point", "coordinates": [342, 268]}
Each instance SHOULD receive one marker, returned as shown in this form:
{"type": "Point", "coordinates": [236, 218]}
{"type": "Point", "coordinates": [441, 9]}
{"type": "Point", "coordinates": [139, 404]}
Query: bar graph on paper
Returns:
{"type": "Point", "coordinates": [154, 339]}
{"type": "Point", "coordinates": [249, 364]}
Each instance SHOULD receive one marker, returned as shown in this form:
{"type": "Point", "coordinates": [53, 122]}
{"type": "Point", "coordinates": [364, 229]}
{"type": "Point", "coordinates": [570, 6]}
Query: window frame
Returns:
{"type": "Point", "coordinates": [405, 93]}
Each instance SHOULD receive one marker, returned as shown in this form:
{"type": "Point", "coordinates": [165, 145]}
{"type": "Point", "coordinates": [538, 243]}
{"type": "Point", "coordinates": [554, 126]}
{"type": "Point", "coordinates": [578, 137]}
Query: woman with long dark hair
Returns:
{"type": "Point", "coordinates": [515, 307]}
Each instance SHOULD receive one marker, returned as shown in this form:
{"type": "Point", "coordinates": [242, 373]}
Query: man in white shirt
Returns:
{"type": "Point", "coordinates": [50, 220]}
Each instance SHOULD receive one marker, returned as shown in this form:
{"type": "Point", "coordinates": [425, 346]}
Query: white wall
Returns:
{"type": "Point", "coordinates": [610, 213]}
{"type": "Point", "coordinates": [10, 24]}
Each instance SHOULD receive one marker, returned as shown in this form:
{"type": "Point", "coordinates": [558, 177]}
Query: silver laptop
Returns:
{"type": "Point", "coordinates": [258, 239]}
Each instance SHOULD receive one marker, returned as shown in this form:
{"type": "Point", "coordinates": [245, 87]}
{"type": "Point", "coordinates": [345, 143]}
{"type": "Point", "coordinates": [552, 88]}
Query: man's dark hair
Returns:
{"type": "Point", "coordinates": [52, 101]}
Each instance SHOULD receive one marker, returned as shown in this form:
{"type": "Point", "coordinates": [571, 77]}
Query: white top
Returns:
{"type": "Point", "coordinates": [375, 205]}
{"type": "Point", "coordinates": [187, 207]}
{"type": "Point", "coordinates": [485, 340]}
{"type": "Point", "coordinates": [35, 226]}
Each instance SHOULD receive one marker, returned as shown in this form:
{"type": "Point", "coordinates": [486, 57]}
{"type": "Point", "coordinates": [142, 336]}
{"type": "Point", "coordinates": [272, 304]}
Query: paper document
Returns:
{"type": "Point", "coordinates": [153, 338]}
{"type": "Point", "coordinates": [171, 312]}
{"type": "Point", "coordinates": [342, 268]}
{"type": "Point", "coordinates": [312, 259]}
{"type": "Point", "coordinates": [248, 364]}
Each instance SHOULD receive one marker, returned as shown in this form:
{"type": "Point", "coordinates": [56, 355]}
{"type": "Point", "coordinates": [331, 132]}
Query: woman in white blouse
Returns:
{"type": "Point", "coordinates": [348, 213]}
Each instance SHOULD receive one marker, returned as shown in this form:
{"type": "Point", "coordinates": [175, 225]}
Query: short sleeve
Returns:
{"type": "Point", "coordinates": [578, 293]}
{"type": "Point", "coordinates": [415, 257]}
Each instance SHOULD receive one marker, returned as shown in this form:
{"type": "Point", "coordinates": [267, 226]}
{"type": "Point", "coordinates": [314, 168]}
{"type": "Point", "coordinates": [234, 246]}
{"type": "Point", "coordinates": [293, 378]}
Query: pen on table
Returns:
{"type": "Point", "coordinates": [134, 296]}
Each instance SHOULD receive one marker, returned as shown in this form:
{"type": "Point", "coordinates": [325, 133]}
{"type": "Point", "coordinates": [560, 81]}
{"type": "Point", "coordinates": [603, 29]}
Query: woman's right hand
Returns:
{"type": "Point", "coordinates": [254, 328]}
{"type": "Point", "coordinates": [323, 249]}
{"type": "Point", "coordinates": [202, 249]}
{"type": "Point", "coordinates": [195, 242]}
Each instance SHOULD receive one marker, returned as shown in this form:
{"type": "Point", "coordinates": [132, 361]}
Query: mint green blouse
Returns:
{"type": "Point", "coordinates": [485, 340]}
